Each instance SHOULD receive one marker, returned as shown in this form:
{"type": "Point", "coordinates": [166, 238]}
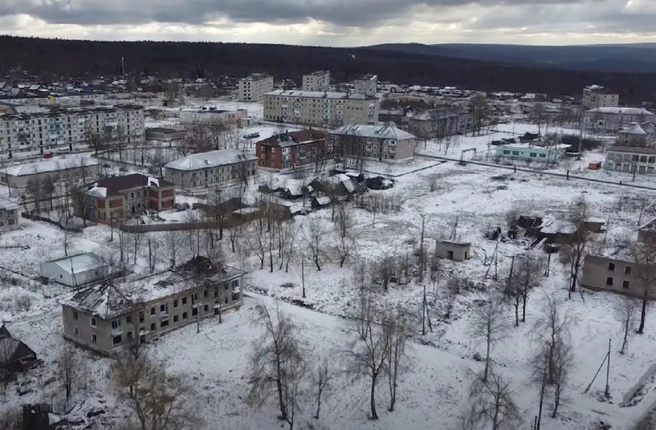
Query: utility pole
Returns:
{"type": "Point", "coordinates": [303, 274]}
{"type": "Point", "coordinates": [421, 250]}
{"type": "Point", "coordinates": [607, 392]}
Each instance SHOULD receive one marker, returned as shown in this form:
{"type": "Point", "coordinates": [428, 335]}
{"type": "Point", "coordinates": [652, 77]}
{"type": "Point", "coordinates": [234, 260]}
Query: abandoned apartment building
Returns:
{"type": "Point", "coordinates": [614, 275]}
{"type": "Point", "coordinates": [106, 317]}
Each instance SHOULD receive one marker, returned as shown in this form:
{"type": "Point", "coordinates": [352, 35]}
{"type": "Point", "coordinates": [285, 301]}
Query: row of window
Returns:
{"type": "Point", "coordinates": [531, 154]}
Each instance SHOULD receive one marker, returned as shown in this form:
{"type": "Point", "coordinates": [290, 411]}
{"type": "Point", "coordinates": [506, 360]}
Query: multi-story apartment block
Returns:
{"type": "Point", "coordinates": [294, 149]}
{"type": "Point", "coordinates": [320, 108]}
{"type": "Point", "coordinates": [73, 168]}
{"type": "Point", "coordinates": [382, 142]}
{"type": "Point", "coordinates": [108, 317]}
{"type": "Point", "coordinates": [613, 119]}
{"type": "Point", "coordinates": [253, 87]}
{"type": "Point", "coordinates": [112, 200]}
{"type": "Point", "coordinates": [316, 81]}
{"type": "Point", "coordinates": [441, 122]}
{"type": "Point", "coordinates": [631, 159]}
{"type": "Point", "coordinates": [367, 85]}
{"type": "Point", "coordinates": [596, 96]}
{"type": "Point", "coordinates": [211, 169]}
{"type": "Point", "coordinates": [9, 215]}
{"type": "Point", "coordinates": [64, 128]}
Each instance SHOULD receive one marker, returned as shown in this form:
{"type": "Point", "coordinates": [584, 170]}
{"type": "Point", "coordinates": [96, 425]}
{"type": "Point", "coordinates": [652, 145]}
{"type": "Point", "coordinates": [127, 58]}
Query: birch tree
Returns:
{"type": "Point", "coordinates": [493, 404]}
{"type": "Point", "coordinates": [488, 324]}
{"type": "Point", "coordinates": [626, 311]}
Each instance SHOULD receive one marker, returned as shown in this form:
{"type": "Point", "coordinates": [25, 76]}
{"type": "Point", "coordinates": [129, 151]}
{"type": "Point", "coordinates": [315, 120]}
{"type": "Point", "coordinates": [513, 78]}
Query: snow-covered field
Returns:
{"type": "Point", "coordinates": [435, 391]}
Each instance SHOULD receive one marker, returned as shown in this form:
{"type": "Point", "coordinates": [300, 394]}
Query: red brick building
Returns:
{"type": "Point", "coordinates": [112, 200]}
{"type": "Point", "coordinates": [294, 149]}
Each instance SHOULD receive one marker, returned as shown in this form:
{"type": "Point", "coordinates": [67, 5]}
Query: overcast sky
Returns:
{"type": "Point", "coordinates": [337, 22]}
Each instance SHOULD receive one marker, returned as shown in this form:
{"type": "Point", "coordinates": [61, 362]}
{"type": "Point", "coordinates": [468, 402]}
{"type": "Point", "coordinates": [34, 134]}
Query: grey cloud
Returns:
{"type": "Point", "coordinates": [358, 13]}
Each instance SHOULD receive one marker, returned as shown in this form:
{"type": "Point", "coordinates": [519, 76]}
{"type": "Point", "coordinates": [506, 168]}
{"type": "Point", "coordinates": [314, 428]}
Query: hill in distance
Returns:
{"type": "Point", "coordinates": [627, 58]}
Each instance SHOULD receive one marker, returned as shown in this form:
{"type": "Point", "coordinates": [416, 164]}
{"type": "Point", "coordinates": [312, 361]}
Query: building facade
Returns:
{"type": "Point", "coordinates": [529, 152]}
{"type": "Point", "coordinates": [366, 85]}
{"type": "Point", "coordinates": [74, 270]}
{"type": "Point", "coordinates": [65, 128]}
{"type": "Point", "coordinates": [106, 318]}
{"type": "Point", "coordinates": [316, 81]}
{"type": "Point", "coordinates": [617, 276]}
{"type": "Point", "coordinates": [9, 215]}
{"type": "Point", "coordinates": [637, 135]}
{"type": "Point", "coordinates": [440, 123]}
{"type": "Point", "coordinates": [596, 96]}
{"type": "Point", "coordinates": [208, 115]}
{"type": "Point", "coordinates": [113, 200]}
{"type": "Point", "coordinates": [631, 159]}
{"type": "Point", "coordinates": [70, 169]}
{"type": "Point", "coordinates": [320, 108]}
{"type": "Point", "coordinates": [382, 142]}
{"type": "Point", "coordinates": [253, 87]}
{"type": "Point", "coordinates": [613, 119]}
{"type": "Point", "coordinates": [294, 149]}
{"type": "Point", "coordinates": [211, 169]}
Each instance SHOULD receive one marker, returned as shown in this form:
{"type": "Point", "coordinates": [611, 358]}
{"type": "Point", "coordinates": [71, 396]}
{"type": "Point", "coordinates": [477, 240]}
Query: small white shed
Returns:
{"type": "Point", "coordinates": [74, 270]}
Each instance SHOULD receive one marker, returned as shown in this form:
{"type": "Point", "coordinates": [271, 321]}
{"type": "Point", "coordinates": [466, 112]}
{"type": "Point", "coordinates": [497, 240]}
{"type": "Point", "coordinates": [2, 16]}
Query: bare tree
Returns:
{"type": "Point", "coordinates": [277, 363]}
{"type": "Point", "coordinates": [625, 312]}
{"type": "Point", "coordinates": [344, 245]}
{"type": "Point", "coordinates": [157, 401]}
{"type": "Point", "coordinates": [551, 328]}
{"type": "Point", "coordinates": [137, 242]}
{"type": "Point", "coordinates": [368, 353]}
{"type": "Point", "coordinates": [562, 361]}
{"type": "Point", "coordinates": [256, 240]}
{"type": "Point", "coordinates": [314, 236]}
{"type": "Point", "coordinates": [384, 271]}
{"type": "Point", "coordinates": [323, 383]}
{"type": "Point", "coordinates": [488, 324]}
{"type": "Point", "coordinates": [644, 255]}
{"type": "Point", "coordinates": [173, 244]}
{"type": "Point", "coordinates": [68, 370]}
{"type": "Point", "coordinates": [396, 329]}
{"type": "Point", "coordinates": [35, 191]}
{"type": "Point", "coordinates": [574, 252]}
{"type": "Point", "coordinates": [493, 403]}
{"type": "Point", "coordinates": [527, 278]}
{"type": "Point", "coordinates": [481, 112]}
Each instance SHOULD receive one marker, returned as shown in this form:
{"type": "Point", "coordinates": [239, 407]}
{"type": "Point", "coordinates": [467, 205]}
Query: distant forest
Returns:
{"type": "Point", "coordinates": [51, 58]}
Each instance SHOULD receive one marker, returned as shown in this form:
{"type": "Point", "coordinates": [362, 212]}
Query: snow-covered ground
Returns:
{"type": "Point", "coordinates": [435, 392]}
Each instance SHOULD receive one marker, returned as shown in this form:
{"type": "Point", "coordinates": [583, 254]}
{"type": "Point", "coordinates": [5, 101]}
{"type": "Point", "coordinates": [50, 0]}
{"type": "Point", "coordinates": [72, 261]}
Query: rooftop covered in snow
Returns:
{"type": "Point", "coordinates": [611, 110]}
{"type": "Point", "coordinates": [79, 262]}
{"type": "Point", "coordinates": [204, 160]}
{"type": "Point", "coordinates": [319, 95]}
{"type": "Point", "coordinates": [51, 165]}
{"type": "Point", "coordinates": [384, 131]}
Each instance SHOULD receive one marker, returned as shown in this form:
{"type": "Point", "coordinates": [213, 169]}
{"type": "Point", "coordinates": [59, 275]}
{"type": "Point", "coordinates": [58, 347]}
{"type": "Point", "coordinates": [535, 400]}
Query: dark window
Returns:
{"type": "Point", "coordinates": [94, 339]}
{"type": "Point", "coordinates": [141, 316]}
{"type": "Point", "coordinates": [128, 319]}
{"type": "Point", "coordinates": [116, 340]}
{"type": "Point", "coordinates": [184, 315]}
{"type": "Point", "coordinates": [130, 335]}
{"type": "Point", "coordinates": [625, 284]}
{"type": "Point", "coordinates": [175, 303]}
{"type": "Point", "coordinates": [152, 311]}
{"type": "Point", "coordinates": [164, 323]}
{"type": "Point", "coordinates": [162, 308]}
{"type": "Point", "coordinates": [627, 270]}
{"type": "Point", "coordinates": [194, 311]}
{"type": "Point", "coordinates": [184, 300]}
{"type": "Point", "coordinates": [175, 318]}
{"type": "Point", "coordinates": [75, 315]}
{"type": "Point", "coordinates": [611, 267]}
{"type": "Point", "coordinates": [93, 322]}
{"type": "Point", "coordinates": [609, 282]}
{"type": "Point", "coordinates": [153, 327]}
{"type": "Point", "coordinates": [205, 293]}
{"type": "Point", "coordinates": [206, 308]}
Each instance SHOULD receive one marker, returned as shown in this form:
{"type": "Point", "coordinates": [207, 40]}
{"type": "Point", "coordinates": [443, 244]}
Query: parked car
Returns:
{"type": "Point", "coordinates": [123, 169]}
{"type": "Point", "coordinates": [252, 135]}
{"type": "Point", "coordinates": [48, 155]}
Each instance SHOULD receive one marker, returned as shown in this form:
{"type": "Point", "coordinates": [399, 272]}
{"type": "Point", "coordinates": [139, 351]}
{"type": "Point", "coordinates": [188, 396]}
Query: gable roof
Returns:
{"type": "Point", "coordinates": [635, 129]}
{"type": "Point", "coordinates": [103, 300]}
{"type": "Point", "coordinates": [384, 131]}
{"type": "Point", "coordinates": [114, 186]}
{"type": "Point", "coordinates": [4, 332]}
{"type": "Point", "coordinates": [291, 138]}
{"type": "Point", "coordinates": [12, 350]}
{"type": "Point", "coordinates": [78, 263]}
{"type": "Point", "coordinates": [620, 110]}
{"type": "Point", "coordinates": [204, 160]}
{"type": "Point", "coordinates": [51, 165]}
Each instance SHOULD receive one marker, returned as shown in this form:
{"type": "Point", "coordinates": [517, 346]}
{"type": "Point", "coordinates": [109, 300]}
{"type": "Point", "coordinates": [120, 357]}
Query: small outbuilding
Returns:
{"type": "Point", "coordinates": [456, 251]}
{"type": "Point", "coordinates": [74, 270]}
{"type": "Point", "coordinates": [15, 356]}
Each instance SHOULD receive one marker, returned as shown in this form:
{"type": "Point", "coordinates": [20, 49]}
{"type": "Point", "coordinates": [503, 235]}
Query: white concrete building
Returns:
{"type": "Point", "coordinates": [75, 168]}
{"type": "Point", "coordinates": [74, 270]}
{"type": "Point", "coordinates": [316, 81]}
{"type": "Point", "coordinates": [596, 96]}
{"type": "Point", "coordinates": [211, 169]}
{"type": "Point", "coordinates": [207, 115]}
{"type": "Point", "coordinates": [320, 108]}
{"type": "Point", "coordinates": [253, 87]}
{"type": "Point", "coordinates": [613, 119]}
{"type": "Point", "coordinates": [9, 215]}
{"type": "Point", "coordinates": [367, 85]}
{"type": "Point", "coordinates": [631, 159]}
{"type": "Point", "coordinates": [64, 128]}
